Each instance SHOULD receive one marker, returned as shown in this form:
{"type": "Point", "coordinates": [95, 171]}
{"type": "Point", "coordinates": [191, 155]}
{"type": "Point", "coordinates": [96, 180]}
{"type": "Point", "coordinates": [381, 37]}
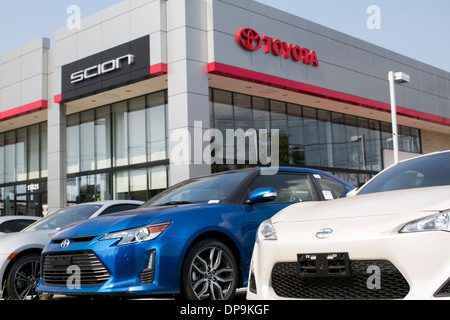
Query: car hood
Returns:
{"type": "Point", "coordinates": [127, 220]}
{"type": "Point", "coordinates": [411, 202]}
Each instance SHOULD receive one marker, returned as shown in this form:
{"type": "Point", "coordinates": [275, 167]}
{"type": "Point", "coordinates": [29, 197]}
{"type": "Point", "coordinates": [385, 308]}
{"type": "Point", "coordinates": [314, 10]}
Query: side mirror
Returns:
{"type": "Point", "coordinates": [262, 195]}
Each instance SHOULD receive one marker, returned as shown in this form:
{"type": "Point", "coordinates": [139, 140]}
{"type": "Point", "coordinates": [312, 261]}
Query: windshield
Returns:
{"type": "Point", "coordinates": [428, 171]}
{"type": "Point", "coordinates": [201, 190]}
{"type": "Point", "coordinates": [64, 217]}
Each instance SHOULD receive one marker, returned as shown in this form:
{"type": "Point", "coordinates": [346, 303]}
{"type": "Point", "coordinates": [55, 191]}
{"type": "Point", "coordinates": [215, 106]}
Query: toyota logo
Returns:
{"type": "Point", "coordinates": [324, 233]}
{"type": "Point", "coordinates": [249, 39]}
{"type": "Point", "coordinates": [65, 243]}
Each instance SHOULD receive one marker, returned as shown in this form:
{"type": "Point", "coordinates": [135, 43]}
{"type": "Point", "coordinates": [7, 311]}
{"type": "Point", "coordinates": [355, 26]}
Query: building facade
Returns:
{"type": "Point", "coordinates": [149, 93]}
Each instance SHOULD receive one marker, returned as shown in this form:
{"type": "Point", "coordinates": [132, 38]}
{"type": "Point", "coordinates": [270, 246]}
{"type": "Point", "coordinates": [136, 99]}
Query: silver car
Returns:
{"type": "Point", "coordinates": [10, 224]}
{"type": "Point", "coordinates": [20, 252]}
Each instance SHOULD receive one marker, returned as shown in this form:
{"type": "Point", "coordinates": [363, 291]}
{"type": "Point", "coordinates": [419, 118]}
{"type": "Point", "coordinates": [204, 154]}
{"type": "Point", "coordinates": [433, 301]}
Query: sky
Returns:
{"type": "Point", "coordinates": [414, 28]}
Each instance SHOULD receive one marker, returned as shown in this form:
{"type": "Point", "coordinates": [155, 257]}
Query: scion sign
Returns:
{"type": "Point", "coordinates": [112, 68]}
{"type": "Point", "coordinates": [99, 69]}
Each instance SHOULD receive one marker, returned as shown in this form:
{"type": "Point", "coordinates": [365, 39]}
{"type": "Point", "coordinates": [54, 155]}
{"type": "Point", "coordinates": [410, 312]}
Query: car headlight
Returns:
{"type": "Point", "coordinates": [266, 231]}
{"type": "Point", "coordinates": [145, 233]}
{"type": "Point", "coordinates": [437, 222]}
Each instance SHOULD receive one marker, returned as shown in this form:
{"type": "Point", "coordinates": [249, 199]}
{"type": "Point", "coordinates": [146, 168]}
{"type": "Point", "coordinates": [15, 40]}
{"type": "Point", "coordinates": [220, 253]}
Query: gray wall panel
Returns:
{"type": "Point", "coordinates": [362, 65]}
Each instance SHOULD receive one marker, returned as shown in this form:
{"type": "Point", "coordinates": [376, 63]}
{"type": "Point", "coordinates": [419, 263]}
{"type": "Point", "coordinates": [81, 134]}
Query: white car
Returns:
{"type": "Point", "coordinates": [10, 224]}
{"type": "Point", "coordinates": [389, 241]}
{"type": "Point", "coordinates": [20, 252]}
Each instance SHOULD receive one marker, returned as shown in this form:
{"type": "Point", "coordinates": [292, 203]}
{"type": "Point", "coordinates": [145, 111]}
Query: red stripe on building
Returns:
{"type": "Point", "coordinates": [261, 78]}
{"type": "Point", "coordinates": [158, 69]}
{"type": "Point", "coordinates": [23, 110]}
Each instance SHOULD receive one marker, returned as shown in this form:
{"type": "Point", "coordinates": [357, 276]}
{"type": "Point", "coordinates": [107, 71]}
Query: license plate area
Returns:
{"type": "Point", "coordinates": [323, 264]}
{"type": "Point", "coordinates": [61, 260]}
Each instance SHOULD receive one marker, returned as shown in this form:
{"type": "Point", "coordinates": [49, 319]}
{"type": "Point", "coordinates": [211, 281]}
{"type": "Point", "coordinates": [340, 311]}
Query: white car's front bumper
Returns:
{"type": "Point", "coordinates": [385, 266]}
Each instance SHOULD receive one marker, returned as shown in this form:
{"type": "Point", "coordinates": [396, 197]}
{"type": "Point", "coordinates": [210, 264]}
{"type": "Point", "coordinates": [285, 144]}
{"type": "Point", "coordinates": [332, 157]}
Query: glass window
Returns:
{"type": "Point", "coordinates": [138, 184]}
{"type": "Point", "coordinates": [386, 136]}
{"type": "Point", "coordinates": [309, 136]}
{"type": "Point", "coordinates": [279, 121]}
{"type": "Point", "coordinates": [103, 189]}
{"type": "Point", "coordinates": [21, 154]}
{"type": "Point", "coordinates": [9, 201]}
{"type": "Point", "coordinates": [121, 185]}
{"type": "Point", "coordinates": [2, 158]}
{"type": "Point", "coordinates": [311, 132]}
{"type": "Point", "coordinates": [43, 151]}
{"type": "Point", "coordinates": [427, 171]}
{"type": "Point", "coordinates": [136, 130]}
{"type": "Point", "coordinates": [373, 154]}
{"type": "Point", "coordinates": [73, 143]}
{"type": "Point", "coordinates": [103, 137]}
{"type": "Point", "coordinates": [243, 114]}
{"type": "Point", "coordinates": [325, 137]}
{"type": "Point", "coordinates": [157, 178]}
{"type": "Point", "coordinates": [289, 187]}
{"type": "Point", "coordinates": [200, 190]}
{"type": "Point", "coordinates": [87, 141]}
{"type": "Point", "coordinates": [156, 126]}
{"type": "Point", "coordinates": [261, 113]}
{"type": "Point", "coordinates": [88, 189]}
{"type": "Point", "coordinates": [120, 134]}
{"type": "Point", "coordinates": [10, 157]}
{"type": "Point", "coordinates": [64, 217]}
{"type": "Point", "coordinates": [339, 140]}
{"type": "Point", "coordinates": [331, 189]}
{"type": "Point", "coordinates": [33, 152]}
{"type": "Point", "coordinates": [73, 190]}
{"type": "Point", "coordinates": [223, 110]}
{"type": "Point", "coordinates": [14, 225]}
{"type": "Point", "coordinates": [296, 135]}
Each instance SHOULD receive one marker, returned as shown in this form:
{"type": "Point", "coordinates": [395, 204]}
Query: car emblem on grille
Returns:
{"type": "Point", "coordinates": [65, 243]}
{"type": "Point", "coordinates": [324, 233]}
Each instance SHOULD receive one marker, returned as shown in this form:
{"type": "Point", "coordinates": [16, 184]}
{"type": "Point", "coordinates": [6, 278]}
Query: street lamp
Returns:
{"type": "Point", "coordinates": [395, 77]}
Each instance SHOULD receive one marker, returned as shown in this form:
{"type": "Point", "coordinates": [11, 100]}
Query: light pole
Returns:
{"type": "Point", "coordinates": [395, 77]}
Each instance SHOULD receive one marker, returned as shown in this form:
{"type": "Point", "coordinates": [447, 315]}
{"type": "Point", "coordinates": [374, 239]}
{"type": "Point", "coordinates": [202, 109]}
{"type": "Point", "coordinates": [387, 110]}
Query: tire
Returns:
{"type": "Point", "coordinates": [23, 278]}
{"type": "Point", "coordinates": [209, 272]}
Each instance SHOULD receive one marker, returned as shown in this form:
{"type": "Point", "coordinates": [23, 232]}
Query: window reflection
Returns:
{"type": "Point", "coordinates": [106, 144]}
{"type": "Point", "coordinates": [310, 136]}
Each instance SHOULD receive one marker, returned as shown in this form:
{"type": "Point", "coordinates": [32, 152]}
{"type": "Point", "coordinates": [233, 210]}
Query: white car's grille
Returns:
{"type": "Point", "coordinates": [363, 282]}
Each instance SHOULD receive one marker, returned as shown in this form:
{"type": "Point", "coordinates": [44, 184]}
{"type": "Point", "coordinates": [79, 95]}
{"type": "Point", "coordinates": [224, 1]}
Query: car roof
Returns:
{"type": "Point", "coordinates": [111, 202]}
{"type": "Point", "coordinates": [9, 218]}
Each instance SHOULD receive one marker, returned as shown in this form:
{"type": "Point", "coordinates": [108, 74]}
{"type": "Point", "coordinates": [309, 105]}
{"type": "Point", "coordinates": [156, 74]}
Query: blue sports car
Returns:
{"type": "Point", "coordinates": [194, 240]}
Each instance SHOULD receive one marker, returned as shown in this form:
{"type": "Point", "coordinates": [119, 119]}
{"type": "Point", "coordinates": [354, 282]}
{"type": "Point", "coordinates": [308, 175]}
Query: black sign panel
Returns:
{"type": "Point", "coordinates": [119, 66]}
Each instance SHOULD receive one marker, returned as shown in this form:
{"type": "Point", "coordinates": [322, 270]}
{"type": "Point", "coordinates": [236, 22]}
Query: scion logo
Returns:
{"type": "Point", "coordinates": [324, 233]}
{"type": "Point", "coordinates": [65, 243]}
{"type": "Point", "coordinates": [250, 40]}
{"type": "Point", "coordinates": [106, 67]}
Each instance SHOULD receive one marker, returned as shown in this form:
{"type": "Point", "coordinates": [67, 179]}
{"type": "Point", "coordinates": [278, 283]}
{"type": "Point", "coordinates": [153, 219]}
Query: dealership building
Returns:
{"type": "Point", "coordinates": [146, 93]}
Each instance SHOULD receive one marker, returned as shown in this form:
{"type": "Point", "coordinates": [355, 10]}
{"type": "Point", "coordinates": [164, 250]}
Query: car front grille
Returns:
{"type": "Point", "coordinates": [368, 280]}
{"type": "Point", "coordinates": [56, 269]}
